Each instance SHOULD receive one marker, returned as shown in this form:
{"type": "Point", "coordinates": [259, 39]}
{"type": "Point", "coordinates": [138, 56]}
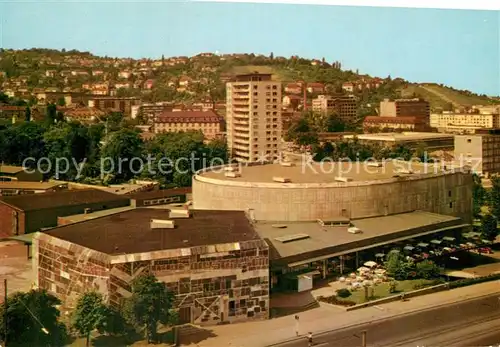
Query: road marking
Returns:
{"type": "Point", "coordinates": [321, 344]}
{"type": "Point", "coordinates": [379, 308]}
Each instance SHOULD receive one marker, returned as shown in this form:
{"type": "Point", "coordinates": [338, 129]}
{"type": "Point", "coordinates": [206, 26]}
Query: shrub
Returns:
{"type": "Point", "coordinates": [393, 287]}
{"type": "Point", "coordinates": [427, 269]}
{"type": "Point", "coordinates": [343, 293]}
{"type": "Point", "coordinates": [334, 300]}
{"type": "Point", "coordinates": [470, 281]}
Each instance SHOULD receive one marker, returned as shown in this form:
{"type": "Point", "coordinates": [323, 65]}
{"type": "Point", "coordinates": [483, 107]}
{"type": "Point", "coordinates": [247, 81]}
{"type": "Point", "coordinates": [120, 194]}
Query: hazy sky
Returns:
{"type": "Point", "coordinates": [455, 47]}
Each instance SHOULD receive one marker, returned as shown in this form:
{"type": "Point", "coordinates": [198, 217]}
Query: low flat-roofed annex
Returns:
{"type": "Point", "coordinates": [130, 232]}
{"type": "Point", "coordinates": [328, 241]}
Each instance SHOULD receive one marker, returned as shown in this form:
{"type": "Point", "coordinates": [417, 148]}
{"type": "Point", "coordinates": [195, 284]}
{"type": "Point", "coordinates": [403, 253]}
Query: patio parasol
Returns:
{"type": "Point", "coordinates": [370, 264]}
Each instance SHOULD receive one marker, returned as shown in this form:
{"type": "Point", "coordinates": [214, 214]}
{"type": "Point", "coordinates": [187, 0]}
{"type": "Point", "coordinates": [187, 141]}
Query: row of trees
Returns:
{"type": "Point", "coordinates": [33, 318]}
{"type": "Point", "coordinates": [400, 268]}
{"type": "Point", "coordinates": [111, 153]}
{"type": "Point", "coordinates": [489, 199]}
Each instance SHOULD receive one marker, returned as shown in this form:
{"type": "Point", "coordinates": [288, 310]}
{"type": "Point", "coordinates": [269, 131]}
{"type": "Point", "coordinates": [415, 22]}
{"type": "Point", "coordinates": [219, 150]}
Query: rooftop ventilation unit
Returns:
{"type": "Point", "coordinates": [375, 164]}
{"type": "Point", "coordinates": [180, 213]}
{"type": "Point", "coordinates": [354, 230]}
{"type": "Point", "coordinates": [287, 164]}
{"type": "Point", "coordinates": [231, 169]}
{"type": "Point", "coordinates": [343, 179]}
{"type": "Point", "coordinates": [282, 179]}
{"type": "Point", "coordinates": [162, 224]}
{"type": "Point", "coordinates": [232, 174]}
{"type": "Point", "coordinates": [291, 238]}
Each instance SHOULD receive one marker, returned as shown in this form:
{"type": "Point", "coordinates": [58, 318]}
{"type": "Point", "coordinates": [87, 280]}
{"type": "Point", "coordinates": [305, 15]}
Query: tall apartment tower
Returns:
{"type": "Point", "coordinates": [253, 117]}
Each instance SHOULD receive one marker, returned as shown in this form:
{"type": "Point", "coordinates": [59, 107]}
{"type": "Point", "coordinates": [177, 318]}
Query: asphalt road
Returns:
{"type": "Point", "coordinates": [468, 323]}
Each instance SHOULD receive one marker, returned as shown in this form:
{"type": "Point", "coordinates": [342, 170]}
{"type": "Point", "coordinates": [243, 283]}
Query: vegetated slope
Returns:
{"type": "Point", "coordinates": [445, 98]}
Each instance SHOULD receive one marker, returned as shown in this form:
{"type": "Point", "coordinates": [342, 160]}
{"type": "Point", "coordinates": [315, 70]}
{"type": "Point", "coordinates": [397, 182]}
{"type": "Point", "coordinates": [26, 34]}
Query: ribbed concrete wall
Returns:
{"type": "Point", "coordinates": [448, 194]}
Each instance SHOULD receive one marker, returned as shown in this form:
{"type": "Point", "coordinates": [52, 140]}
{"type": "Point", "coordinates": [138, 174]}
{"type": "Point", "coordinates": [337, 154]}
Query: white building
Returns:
{"type": "Point", "coordinates": [253, 117]}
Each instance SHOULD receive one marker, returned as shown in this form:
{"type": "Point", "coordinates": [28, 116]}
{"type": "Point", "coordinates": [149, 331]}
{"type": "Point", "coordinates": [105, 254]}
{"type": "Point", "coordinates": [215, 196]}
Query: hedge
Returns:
{"type": "Point", "coordinates": [470, 281]}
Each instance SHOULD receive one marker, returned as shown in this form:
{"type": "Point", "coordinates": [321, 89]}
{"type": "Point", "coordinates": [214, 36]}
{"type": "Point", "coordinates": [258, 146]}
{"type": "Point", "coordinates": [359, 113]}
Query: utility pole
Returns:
{"type": "Point", "coordinates": [5, 312]}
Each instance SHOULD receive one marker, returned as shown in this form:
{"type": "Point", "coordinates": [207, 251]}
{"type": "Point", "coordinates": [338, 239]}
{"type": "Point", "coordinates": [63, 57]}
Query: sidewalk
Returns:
{"type": "Point", "coordinates": [326, 317]}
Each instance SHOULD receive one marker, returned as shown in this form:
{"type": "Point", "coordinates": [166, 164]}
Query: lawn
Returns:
{"type": "Point", "coordinates": [382, 290]}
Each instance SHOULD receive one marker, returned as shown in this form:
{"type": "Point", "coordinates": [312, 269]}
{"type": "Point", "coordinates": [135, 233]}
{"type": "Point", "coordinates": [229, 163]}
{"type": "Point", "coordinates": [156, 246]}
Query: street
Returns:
{"type": "Point", "coordinates": [468, 323]}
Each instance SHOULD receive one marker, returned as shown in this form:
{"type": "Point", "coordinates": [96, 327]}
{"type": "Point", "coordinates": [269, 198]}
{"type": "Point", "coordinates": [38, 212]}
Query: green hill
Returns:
{"type": "Point", "coordinates": [445, 98]}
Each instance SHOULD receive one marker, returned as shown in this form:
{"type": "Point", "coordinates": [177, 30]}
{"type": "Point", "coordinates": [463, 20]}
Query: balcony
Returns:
{"type": "Point", "coordinates": [240, 104]}
{"type": "Point", "coordinates": [241, 147]}
{"type": "Point", "coordinates": [241, 140]}
{"type": "Point", "coordinates": [241, 96]}
{"type": "Point", "coordinates": [240, 109]}
{"type": "Point", "coordinates": [241, 114]}
{"type": "Point", "coordinates": [239, 87]}
{"type": "Point", "coordinates": [238, 122]}
{"type": "Point", "coordinates": [241, 129]}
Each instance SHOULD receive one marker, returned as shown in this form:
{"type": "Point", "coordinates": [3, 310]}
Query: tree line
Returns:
{"type": "Point", "coordinates": [34, 319]}
{"type": "Point", "coordinates": [486, 207]}
{"type": "Point", "coordinates": [75, 152]}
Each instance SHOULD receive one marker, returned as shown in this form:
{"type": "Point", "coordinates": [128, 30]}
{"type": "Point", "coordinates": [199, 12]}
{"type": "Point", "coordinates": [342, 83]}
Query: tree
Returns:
{"type": "Point", "coordinates": [478, 195]}
{"type": "Point", "coordinates": [427, 269]}
{"type": "Point", "coordinates": [90, 314]}
{"type": "Point", "coordinates": [334, 124]}
{"type": "Point", "coordinates": [61, 102]}
{"type": "Point", "coordinates": [122, 155]}
{"type": "Point", "coordinates": [27, 114]}
{"type": "Point", "coordinates": [51, 114]}
{"type": "Point", "coordinates": [21, 141]}
{"type": "Point", "coordinates": [149, 304]}
{"type": "Point", "coordinates": [489, 227]}
{"type": "Point", "coordinates": [32, 320]}
{"type": "Point", "coordinates": [495, 196]}
{"type": "Point", "coordinates": [397, 266]}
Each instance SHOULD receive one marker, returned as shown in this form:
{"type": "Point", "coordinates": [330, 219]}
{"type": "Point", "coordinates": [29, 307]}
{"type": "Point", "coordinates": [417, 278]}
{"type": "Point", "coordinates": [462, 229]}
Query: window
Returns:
{"type": "Point", "coordinates": [451, 205]}
{"type": "Point", "coordinates": [449, 193]}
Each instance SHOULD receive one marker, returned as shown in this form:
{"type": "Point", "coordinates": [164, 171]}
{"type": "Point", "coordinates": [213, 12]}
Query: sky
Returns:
{"type": "Point", "coordinates": [460, 48]}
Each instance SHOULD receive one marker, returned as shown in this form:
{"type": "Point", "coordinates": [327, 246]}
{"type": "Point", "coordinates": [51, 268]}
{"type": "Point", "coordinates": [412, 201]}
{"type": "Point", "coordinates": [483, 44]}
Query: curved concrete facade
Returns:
{"type": "Point", "coordinates": [448, 193]}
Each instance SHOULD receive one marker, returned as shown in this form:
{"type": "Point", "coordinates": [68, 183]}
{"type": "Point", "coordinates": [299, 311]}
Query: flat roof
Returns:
{"type": "Point", "coordinates": [76, 218]}
{"type": "Point", "coordinates": [130, 232]}
{"type": "Point", "coordinates": [325, 172]}
{"type": "Point", "coordinates": [330, 239]}
{"type": "Point", "coordinates": [11, 169]}
{"type": "Point", "coordinates": [158, 194]}
{"type": "Point", "coordinates": [29, 185]}
{"type": "Point", "coordinates": [405, 136]}
{"type": "Point", "coordinates": [31, 202]}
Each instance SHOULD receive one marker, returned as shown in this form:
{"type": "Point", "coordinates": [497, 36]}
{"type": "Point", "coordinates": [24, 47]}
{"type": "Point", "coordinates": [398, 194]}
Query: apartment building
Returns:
{"type": "Point", "coordinates": [481, 151]}
{"type": "Point", "coordinates": [208, 122]}
{"type": "Point", "coordinates": [406, 108]}
{"type": "Point", "coordinates": [148, 112]}
{"type": "Point", "coordinates": [123, 105]}
{"type": "Point", "coordinates": [253, 116]}
{"type": "Point", "coordinates": [464, 122]}
{"type": "Point", "coordinates": [345, 106]}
